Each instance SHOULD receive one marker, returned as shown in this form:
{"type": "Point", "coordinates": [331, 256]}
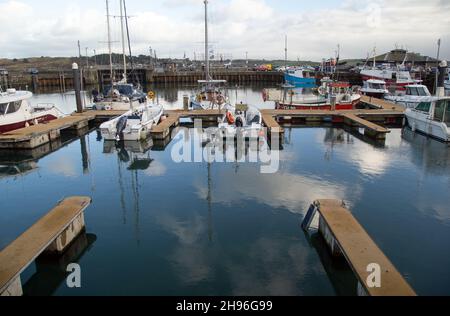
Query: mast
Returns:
{"type": "Point", "coordinates": [206, 43]}
{"type": "Point", "coordinates": [375, 58]}
{"type": "Point", "coordinates": [123, 42]}
{"type": "Point", "coordinates": [128, 35]}
{"type": "Point", "coordinates": [109, 43]}
{"type": "Point", "coordinates": [285, 52]}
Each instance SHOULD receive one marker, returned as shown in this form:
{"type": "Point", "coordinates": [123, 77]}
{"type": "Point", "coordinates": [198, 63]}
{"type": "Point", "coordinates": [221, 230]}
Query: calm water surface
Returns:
{"type": "Point", "coordinates": [160, 228]}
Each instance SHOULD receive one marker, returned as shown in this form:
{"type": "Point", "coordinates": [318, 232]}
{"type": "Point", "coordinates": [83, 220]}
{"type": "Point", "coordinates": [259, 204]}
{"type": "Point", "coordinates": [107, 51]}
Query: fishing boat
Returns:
{"type": "Point", "coordinates": [299, 76]}
{"type": "Point", "coordinates": [396, 78]}
{"type": "Point", "coordinates": [134, 125]}
{"type": "Point", "coordinates": [413, 95]}
{"type": "Point", "coordinates": [332, 96]}
{"type": "Point", "coordinates": [374, 88]}
{"type": "Point", "coordinates": [431, 118]}
{"type": "Point", "coordinates": [16, 111]}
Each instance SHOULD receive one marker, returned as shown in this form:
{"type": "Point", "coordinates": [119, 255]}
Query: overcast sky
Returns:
{"type": "Point", "coordinates": [174, 27]}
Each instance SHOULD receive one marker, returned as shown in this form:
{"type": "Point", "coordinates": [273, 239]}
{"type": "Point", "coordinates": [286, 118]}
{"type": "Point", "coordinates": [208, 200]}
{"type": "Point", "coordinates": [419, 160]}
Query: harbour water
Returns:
{"type": "Point", "coordinates": [156, 227]}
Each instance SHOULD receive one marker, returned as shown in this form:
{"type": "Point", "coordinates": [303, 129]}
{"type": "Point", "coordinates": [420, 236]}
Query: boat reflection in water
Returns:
{"type": "Point", "coordinates": [136, 153]}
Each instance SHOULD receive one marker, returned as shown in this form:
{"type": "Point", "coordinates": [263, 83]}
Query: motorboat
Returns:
{"type": "Point", "coordinates": [16, 111]}
{"type": "Point", "coordinates": [241, 120]}
{"type": "Point", "coordinates": [374, 88]}
{"type": "Point", "coordinates": [413, 95]}
{"type": "Point", "coordinates": [299, 76]}
{"type": "Point", "coordinates": [431, 117]}
{"type": "Point", "coordinates": [134, 125]}
{"type": "Point", "coordinates": [332, 96]}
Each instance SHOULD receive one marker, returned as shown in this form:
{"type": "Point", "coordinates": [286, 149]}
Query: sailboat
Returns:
{"type": "Point", "coordinates": [120, 96]}
{"type": "Point", "coordinates": [209, 95]}
{"type": "Point", "coordinates": [138, 121]}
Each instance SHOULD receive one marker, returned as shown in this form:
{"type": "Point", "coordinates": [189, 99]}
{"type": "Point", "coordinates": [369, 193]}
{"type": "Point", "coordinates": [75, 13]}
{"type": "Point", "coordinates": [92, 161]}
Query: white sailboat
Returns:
{"type": "Point", "coordinates": [209, 95]}
{"type": "Point", "coordinates": [140, 117]}
{"type": "Point", "coordinates": [121, 95]}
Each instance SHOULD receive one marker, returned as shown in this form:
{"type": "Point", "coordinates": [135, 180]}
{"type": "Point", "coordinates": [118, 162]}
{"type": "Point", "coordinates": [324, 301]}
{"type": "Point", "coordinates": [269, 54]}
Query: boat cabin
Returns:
{"type": "Point", "coordinates": [375, 84]}
{"type": "Point", "coordinates": [417, 90]}
{"type": "Point", "coordinates": [11, 101]}
{"type": "Point", "coordinates": [438, 110]}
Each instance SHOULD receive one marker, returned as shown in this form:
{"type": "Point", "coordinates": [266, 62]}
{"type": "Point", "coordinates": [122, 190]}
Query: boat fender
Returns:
{"type": "Point", "coordinates": [230, 118]}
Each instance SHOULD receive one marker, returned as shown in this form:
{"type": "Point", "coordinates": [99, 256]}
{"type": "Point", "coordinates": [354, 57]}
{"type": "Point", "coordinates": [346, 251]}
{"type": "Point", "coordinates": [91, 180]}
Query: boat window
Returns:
{"type": "Point", "coordinates": [125, 90]}
{"type": "Point", "coordinates": [14, 107]}
{"type": "Point", "coordinates": [3, 107]}
{"type": "Point", "coordinates": [424, 107]}
{"type": "Point", "coordinates": [440, 110]}
{"type": "Point", "coordinates": [421, 91]}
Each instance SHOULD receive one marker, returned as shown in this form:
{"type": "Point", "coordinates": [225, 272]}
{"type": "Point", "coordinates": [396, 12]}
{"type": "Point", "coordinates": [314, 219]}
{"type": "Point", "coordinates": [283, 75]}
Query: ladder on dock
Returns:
{"type": "Point", "coordinates": [346, 237]}
{"type": "Point", "coordinates": [52, 234]}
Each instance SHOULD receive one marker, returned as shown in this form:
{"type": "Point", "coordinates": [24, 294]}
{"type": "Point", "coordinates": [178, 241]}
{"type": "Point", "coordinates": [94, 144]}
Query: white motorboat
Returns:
{"type": "Point", "coordinates": [134, 125]}
{"type": "Point", "coordinates": [374, 88]}
{"type": "Point", "coordinates": [431, 117]}
{"type": "Point", "coordinates": [16, 111]}
{"type": "Point", "coordinates": [240, 120]}
{"type": "Point", "coordinates": [414, 95]}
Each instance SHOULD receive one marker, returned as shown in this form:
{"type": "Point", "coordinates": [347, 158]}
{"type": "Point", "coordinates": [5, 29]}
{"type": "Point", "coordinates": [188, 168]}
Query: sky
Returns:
{"type": "Point", "coordinates": [32, 28]}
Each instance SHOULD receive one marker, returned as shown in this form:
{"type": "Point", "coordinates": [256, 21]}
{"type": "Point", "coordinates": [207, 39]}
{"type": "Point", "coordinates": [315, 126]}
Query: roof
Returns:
{"type": "Point", "coordinates": [398, 56]}
{"type": "Point", "coordinates": [6, 97]}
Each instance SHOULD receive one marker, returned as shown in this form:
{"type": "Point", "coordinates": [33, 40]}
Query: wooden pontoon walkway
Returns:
{"type": "Point", "coordinates": [342, 231]}
{"type": "Point", "coordinates": [381, 104]}
{"type": "Point", "coordinates": [16, 257]}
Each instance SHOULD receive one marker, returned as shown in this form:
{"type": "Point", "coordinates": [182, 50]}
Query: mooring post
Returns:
{"type": "Point", "coordinates": [440, 92]}
{"type": "Point", "coordinates": [77, 86]}
{"type": "Point", "coordinates": [186, 102]}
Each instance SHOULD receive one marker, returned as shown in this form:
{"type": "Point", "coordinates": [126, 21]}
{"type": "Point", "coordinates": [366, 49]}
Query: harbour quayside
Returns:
{"type": "Point", "coordinates": [174, 149]}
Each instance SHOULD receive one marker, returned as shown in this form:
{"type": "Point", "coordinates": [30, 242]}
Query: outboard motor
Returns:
{"type": "Point", "coordinates": [121, 125]}
{"type": "Point", "coordinates": [239, 122]}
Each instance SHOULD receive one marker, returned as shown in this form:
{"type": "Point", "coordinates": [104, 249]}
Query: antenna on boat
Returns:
{"type": "Point", "coordinates": [109, 43]}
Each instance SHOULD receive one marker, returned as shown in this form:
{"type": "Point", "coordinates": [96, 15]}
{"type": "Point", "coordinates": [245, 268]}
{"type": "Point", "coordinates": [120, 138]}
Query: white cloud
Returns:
{"type": "Point", "coordinates": [173, 27]}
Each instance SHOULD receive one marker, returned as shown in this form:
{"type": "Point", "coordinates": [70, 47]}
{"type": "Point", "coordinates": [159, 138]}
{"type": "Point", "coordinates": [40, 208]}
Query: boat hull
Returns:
{"type": "Point", "coordinates": [318, 107]}
{"type": "Point", "coordinates": [421, 123]}
{"type": "Point", "coordinates": [21, 124]}
{"type": "Point", "coordinates": [297, 81]}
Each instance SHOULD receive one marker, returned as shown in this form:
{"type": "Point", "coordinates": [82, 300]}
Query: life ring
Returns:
{"type": "Point", "coordinates": [151, 95]}
{"type": "Point", "coordinates": [230, 118]}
